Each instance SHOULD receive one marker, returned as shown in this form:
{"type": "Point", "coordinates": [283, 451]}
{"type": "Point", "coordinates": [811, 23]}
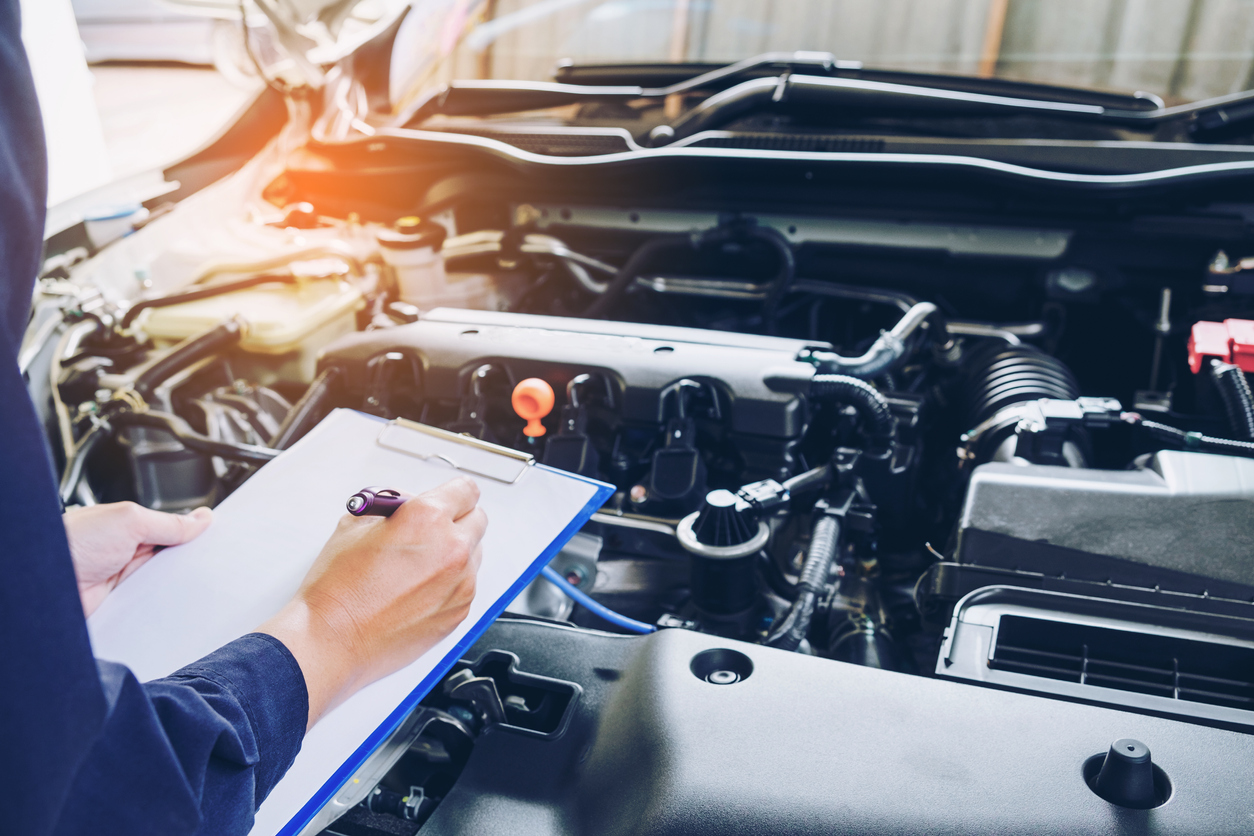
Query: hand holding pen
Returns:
{"type": "Point", "coordinates": [375, 502]}
{"type": "Point", "coordinates": [379, 595]}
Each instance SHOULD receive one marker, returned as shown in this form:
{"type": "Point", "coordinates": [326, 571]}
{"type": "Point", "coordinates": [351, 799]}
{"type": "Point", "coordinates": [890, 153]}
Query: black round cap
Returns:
{"type": "Point", "coordinates": [1127, 775]}
{"type": "Point", "coordinates": [724, 520]}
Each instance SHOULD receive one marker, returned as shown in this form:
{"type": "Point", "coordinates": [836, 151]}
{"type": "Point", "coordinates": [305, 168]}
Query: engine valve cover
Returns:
{"type": "Point", "coordinates": [759, 380]}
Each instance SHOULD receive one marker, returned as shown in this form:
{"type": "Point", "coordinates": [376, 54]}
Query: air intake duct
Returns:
{"type": "Point", "coordinates": [1001, 377]}
{"type": "Point", "coordinates": [1013, 374]}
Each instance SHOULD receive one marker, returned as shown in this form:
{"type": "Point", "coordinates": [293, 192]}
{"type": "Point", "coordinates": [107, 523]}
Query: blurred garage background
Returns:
{"type": "Point", "coordinates": [150, 95]}
{"type": "Point", "coordinates": [129, 85]}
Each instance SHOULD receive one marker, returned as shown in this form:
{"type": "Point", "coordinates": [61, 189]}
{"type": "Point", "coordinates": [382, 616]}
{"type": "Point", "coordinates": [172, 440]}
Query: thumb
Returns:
{"type": "Point", "coordinates": [161, 529]}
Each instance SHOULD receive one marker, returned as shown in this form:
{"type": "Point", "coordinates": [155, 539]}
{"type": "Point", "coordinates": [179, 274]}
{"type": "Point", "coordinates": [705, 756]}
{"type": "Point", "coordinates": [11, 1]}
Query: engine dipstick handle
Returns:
{"type": "Point", "coordinates": [532, 400]}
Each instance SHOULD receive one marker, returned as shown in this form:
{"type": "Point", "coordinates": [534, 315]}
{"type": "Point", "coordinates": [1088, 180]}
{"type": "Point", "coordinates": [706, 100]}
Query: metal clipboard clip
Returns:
{"type": "Point", "coordinates": [461, 452]}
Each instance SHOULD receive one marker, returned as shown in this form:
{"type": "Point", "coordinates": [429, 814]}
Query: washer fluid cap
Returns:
{"type": "Point", "coordinates": [724, 520]}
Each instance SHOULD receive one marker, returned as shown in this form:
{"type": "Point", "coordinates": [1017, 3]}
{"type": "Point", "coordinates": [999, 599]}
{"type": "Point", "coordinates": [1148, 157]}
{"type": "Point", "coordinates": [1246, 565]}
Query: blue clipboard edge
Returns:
{"type": "Point", "coordinates": [346, 770]}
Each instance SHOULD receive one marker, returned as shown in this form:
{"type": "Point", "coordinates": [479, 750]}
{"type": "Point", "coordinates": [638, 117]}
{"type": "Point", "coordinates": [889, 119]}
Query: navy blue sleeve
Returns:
{"type": "Point", "coordinates": [23, 177]}
{"type": "Point", "coordinates": [195, 752]}
{"type": "Point", "coordinates": [84, 747]}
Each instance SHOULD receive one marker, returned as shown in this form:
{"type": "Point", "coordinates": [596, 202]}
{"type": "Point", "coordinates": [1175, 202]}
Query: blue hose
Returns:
{"type": "Point", "coordinates": [586, 601]}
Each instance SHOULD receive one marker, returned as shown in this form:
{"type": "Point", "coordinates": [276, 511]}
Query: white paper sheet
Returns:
{"type": "Point", "coordinates": [191, 599]}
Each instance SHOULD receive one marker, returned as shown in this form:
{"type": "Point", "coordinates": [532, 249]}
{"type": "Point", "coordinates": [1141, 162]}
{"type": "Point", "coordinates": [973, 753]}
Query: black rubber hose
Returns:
{"type": "Point", "coordinates": [193, 440]}
{"type": "Point", "coordinates": [781, 283]}
{"type": "Point", "coordinates": [864, 397]}
{"type": "Point", "coordinates": [203, 293]}
{"type": "Point", "coordinates": [824, 543]}
{"type": "Point", "coordinates": [628, 273]}
{"type": "Point", "coordinates": [187, 352]}
{"type": "Point", "coordinates": [1235, 391]}
{"type": "Point", "coordinates": [1192, 439]}
{"type": "Point", "coordinates": [774, 577]}
{"type": "Point", "coordinates": [73, 473]}
{"type": "Point", "coordinates": [302, 417]}
{"type": "Point", "coordinates": [817, 477]}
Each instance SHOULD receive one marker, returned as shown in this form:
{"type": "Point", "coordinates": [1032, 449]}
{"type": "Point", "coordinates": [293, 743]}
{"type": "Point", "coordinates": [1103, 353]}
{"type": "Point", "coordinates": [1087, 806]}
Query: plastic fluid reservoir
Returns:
{"type": "Point", "coordinates": [412, 249]}
{"type": "Point", "coordinates": [294, 317]}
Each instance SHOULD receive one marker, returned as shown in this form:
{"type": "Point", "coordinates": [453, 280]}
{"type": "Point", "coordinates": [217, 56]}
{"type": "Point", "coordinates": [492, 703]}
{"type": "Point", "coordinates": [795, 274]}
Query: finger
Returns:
{"type": "Point", "coordinates": [475, 524]}
{"type": "Point", "coordinates": [456, 497]}
{"type": "Point", "coordinates": [162, 529]}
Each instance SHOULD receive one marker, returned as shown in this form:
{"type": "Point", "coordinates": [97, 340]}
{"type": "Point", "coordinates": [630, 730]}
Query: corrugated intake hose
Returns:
{"type": "Point", "coordinates": [1000, 382]}
{"type": "Point", "coordinates": [193, 440]}
{"type": "Point", "coordinates": [1238, 401]}
{"type": "Point", "coordinates": [862, 396]}
{"type": "Point", "coordinates": [187, 352]}
{"type": "Point", "coordinates": [791, 630]}
{"type": "Point", "coordinates": [1002, 376]}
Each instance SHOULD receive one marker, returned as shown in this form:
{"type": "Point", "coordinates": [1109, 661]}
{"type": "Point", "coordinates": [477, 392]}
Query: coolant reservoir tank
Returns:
{"type": "Point", "coordinates": [295, 318]}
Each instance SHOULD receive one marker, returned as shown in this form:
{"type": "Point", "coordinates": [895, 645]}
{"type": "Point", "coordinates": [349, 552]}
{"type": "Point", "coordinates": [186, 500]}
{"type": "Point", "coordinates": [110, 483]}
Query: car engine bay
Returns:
{"type": "Point", "coordinates": [931, 481]}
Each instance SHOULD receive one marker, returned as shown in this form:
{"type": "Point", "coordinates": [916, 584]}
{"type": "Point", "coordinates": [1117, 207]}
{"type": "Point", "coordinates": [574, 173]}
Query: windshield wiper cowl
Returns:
{"type": "Point", "coordinates": [799, 86]}
{"type": "Point", "coordinates": [874, 96]}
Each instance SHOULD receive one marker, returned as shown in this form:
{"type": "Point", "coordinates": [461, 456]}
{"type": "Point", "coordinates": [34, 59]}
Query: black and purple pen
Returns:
{"type": "Point", "coordinates": [374, 502]}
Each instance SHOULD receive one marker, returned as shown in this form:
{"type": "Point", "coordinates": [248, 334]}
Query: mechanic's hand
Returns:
{"type": "Point", "coordinates": [109, 542]}
{"type": "Point", "coordinates": [383, 591]}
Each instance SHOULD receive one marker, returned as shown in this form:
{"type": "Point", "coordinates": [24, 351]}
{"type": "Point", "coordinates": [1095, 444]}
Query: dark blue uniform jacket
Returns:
{"type": "Point", "coordinates": [84, 747]}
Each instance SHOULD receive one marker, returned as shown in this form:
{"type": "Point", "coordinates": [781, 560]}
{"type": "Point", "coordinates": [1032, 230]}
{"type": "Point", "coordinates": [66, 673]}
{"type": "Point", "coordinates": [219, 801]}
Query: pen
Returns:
{"type": "Point", "coordinates": [374, 502]}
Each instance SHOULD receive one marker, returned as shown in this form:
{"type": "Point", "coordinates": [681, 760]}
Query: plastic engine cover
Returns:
{"type": "Point", "coordinates": [802, 745]}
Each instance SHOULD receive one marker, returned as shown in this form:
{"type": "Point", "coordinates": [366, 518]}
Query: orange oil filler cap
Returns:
{"type": "Point", "coordinates": [532, 400]}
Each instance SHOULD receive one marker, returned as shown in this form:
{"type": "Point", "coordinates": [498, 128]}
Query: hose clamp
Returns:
{"type": "Point", "coordinates": [688, 539]}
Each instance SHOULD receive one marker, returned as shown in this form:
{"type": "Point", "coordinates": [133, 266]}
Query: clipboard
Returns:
{"type": "Point", "coordinates": [470, 455]}
{"type": "Point", "coordinates": [196, 597]}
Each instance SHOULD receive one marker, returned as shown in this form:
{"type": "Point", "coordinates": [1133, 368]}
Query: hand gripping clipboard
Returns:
{"type": "Point", "coordinates": [194, 598]}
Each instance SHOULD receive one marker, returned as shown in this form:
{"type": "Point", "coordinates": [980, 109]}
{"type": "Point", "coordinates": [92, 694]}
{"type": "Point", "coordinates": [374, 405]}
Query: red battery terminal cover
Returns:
{"type": "Point", "coordinates": [1231, 341]}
